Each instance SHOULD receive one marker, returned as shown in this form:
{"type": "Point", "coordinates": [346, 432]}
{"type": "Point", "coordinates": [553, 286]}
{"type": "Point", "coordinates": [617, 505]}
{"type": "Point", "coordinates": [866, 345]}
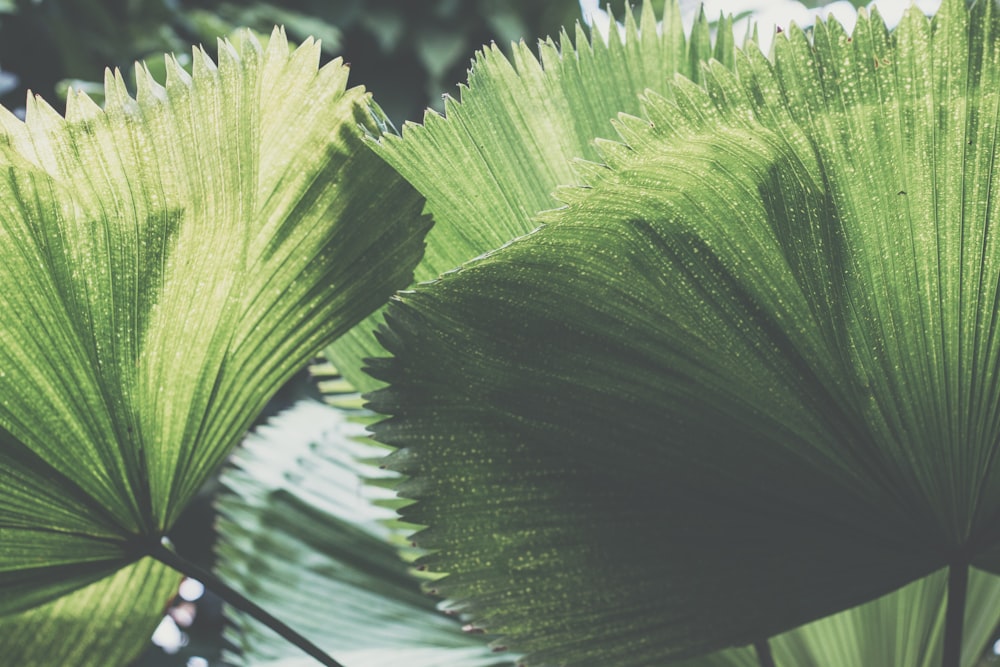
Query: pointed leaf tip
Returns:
{"type": "Point", "coordinates": [164, 272]}
{"type": "Point", "coordinates": [741, 335]}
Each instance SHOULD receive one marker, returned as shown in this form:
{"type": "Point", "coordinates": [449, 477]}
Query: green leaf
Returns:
{"type": "Point", "coordinates": [106, 623]}
{"type": "Point", "coordinates": [745, 379]}
{"type": "Point", "coordinates": [301, 533]}
{"type": "Point", "coordinates": [492, 162]}
{"type": "Point", "coordinates": [167, 263]}
{"type": "Point", "coordinates": [902, 629]}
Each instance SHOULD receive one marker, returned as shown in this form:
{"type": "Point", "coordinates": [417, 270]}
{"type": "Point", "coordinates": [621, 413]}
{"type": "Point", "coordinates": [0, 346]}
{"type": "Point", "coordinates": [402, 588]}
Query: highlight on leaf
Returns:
{"type": "Point", "coordinates": [520, 129]}
{"type": "Point", "coordinates": [744, 379]}
{"type": "Point", "coordinates": [168, 262]}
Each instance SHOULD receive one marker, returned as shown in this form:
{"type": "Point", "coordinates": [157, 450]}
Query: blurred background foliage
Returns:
{"type": "Point", "coordinates": [407, 53]}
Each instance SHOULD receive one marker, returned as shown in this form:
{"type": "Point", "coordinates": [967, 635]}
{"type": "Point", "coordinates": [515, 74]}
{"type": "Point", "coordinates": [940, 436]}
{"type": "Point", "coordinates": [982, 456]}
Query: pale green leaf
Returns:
{"type": "Point", "coordinates": [302, 534]}
{"type": "Point", "coordinates": [167, 263]}
{"type": "Point", "coordinates": [493, 160]}
{"type": "Point", "coordinates": [745, 379]}
{"type": "Point", "coordinates": [902, 629]}
{"type": "Point", "coordinates": [105, 623]}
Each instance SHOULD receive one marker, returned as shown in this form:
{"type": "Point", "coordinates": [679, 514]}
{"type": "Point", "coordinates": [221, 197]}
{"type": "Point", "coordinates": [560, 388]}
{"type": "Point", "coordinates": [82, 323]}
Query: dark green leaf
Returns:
{"type": "Point", "coordinates": [745, 379]}
{"type": "Point", "coordinates": [302, 534]}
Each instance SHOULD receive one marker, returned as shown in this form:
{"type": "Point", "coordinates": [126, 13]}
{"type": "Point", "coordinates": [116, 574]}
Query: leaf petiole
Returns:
{"type": "Point", "coordinates": [163, 553]}
{"type": "Point", "coordinates": [958, 583]}
{"type": "Point", "coordinates": [764, 656]}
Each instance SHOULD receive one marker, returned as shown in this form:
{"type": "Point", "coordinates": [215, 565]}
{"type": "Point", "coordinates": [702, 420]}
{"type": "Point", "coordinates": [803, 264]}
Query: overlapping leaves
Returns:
{"type": "Point", "coordinates": [902, 629]}
{"type": "Point", "coordinates": [167, 262]}
{"type": "Point", "coordinates": [745, 379]}
{"type": "Point", "coordinates": [515, 134]}
{"type": "Point", "coordinates": [302, 534]}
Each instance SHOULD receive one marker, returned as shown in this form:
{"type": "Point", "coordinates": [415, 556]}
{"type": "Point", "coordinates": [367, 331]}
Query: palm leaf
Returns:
{"type": "Point", "coordinates": [106, 623]}
{"type": "Point", "coordinates": [902, 629]}
{"type": "Point", "coordinates": [167, 263]}
{"type": "Point", "coordinates": [301, 533]}
{"type": "Point", "coordinates": [515, 136]}
{"type": "Point", "coordinates": [745, 379]}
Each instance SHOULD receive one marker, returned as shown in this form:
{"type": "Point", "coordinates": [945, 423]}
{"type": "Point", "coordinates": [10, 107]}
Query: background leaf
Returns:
{"type": "Point", "coordinates": [304, 535]}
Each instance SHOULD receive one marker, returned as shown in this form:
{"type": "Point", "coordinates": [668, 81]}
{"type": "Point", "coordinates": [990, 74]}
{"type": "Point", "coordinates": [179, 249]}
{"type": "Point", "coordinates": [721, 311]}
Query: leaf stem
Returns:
{"type": "Point", "coordinates": [764, 656]}
{"type": "Point", "coordinates": [231, 596]}
{"type": "Point", "coordinates": [954, 616]}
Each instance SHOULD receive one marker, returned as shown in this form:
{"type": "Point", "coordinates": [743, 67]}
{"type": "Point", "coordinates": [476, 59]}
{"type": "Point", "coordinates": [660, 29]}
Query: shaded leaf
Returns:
{"type": "Point", "coordinates": [902, 629]}
{"type": "Point", "coordinates": [745, 379]}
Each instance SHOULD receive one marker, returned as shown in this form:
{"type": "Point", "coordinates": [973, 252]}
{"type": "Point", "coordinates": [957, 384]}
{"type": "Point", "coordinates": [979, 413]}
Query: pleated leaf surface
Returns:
{"type": "Point", "coordinates": [168, 262]}
{"type": "Point", "coordinates": [515, 136]}
{"type": "Point", "coordinates": [106, 623]}
{"type": "Point", "coordinates": [901, 629]}
{"type": "Point", "coordinates": [745, 379]}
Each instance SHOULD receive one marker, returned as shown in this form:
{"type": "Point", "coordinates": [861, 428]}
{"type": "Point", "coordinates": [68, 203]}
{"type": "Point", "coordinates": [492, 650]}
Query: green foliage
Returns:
{"type": "Point", "coordinates": [49, 44]}
{"type": "Point", "coordinates": [904, 628]}
{"type": "Point", "coordinates": [169, 261]}
{"type": "Point", "coordinates": [408, 53]}
{"type": "Point", "coordinates": [417, 50]}
{"type": "Point", "coordinates": [105, 623]}
{"type": "Point", "coordinates": [745, 378]}
{"type": "Point", "coordinates": [705, 356]}
{"type": "Point", "coordinates": [516, 135]}
{"type": "Point", "coordinates": [819, 3]}
{"type": "Point", "coordinates": [301, 532]}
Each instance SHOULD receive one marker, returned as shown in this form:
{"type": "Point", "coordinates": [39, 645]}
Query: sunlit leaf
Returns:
{"type": "Point", "coordinates": [105, 623]}
{"type": "Point", "coordinates": [167, 263]}
{"type": "Point", "coordinates": [515, 135]}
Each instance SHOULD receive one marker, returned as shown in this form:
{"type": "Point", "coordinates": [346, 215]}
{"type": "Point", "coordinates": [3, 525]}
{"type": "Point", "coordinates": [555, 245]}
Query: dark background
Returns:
{"type": "Point", "coordinates": [407, 52]}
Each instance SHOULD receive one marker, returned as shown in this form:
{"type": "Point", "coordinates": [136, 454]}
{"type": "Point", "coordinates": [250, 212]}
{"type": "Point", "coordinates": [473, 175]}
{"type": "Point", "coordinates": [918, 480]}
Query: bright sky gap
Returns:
{"type": "Point", "coordinates": [769, 14]}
